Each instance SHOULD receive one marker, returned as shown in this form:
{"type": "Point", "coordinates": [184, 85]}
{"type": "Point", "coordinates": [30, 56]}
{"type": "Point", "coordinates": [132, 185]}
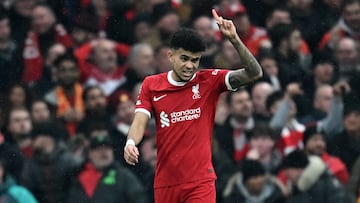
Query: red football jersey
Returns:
{"type": "Point", "coordinates": [184, 114]}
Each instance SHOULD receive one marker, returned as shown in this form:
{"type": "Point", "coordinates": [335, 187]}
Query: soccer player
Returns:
{"type": "Point", "coordinates": [183, 102]}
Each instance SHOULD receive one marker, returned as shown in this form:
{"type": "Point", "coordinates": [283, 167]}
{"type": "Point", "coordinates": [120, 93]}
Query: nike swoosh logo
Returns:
{"type": "Point", "coordinates": [158, 98]}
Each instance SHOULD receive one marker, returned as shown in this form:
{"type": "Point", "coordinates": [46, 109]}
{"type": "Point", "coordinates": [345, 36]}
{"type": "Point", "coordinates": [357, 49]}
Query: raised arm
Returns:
{"type": "Point", "coordinates": [250, 70]}
{"type": "Point", "coordinates": [135, 135]}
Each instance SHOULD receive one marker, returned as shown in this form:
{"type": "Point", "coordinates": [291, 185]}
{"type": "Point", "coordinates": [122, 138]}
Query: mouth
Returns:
{"type": "Point", "coordinates": [187, 73]}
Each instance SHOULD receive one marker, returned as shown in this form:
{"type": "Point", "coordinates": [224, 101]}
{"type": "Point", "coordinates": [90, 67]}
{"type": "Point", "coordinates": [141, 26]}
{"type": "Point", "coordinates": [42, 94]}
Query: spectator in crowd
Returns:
{"type": "Point", "coordinates": [49, 77]}
{"type": "Point", "coordinates": [142, 27]}
{"type": "Point", "coordinates": [227, 56]}
{"type": "Point", "coordinates": [203, 25]}
{"type": "Point", "coordinates": [347, 57]}
{"type": "Point", "coordinates": [66, 97]}
{"type": "Point", "coordinates": [40, 111]}
{"type": "Point", "coordinates": [347, 25]}
{"type": "Point", "coordinates": [101, 179]}
{"type": "Point", "coordinates": [346, 145]}
{"type": "Point", "coordinates": [271, 69]}
{"type": "Point", "coordinates": [232, 134]}
{"type": "Point", "coordinates": [11, 191]}
{"type": "Point", "coordinates": [315, 145]}
{"type": "Point", "coordinates": [259, 93]}
{"type": "Point", "coordinates": [18, 127]}
{"type": "Point", "coordinates": [251, 184]}
{"type": "Point", "coordinates": [141, 63]}
{"type": "Point", "coordinates": [95, 105]}
{"type": "Point", "coordinates": [10, 60]}
{"type": "Point", "coordinates": [248, 32]}
{"type": "Point", "coordinates": [328, 108]}
{"type": "Point", "coordinates": [20, 15]}
{"type": "Point", "coordinates": [44, 33]}
{"type": "Point", "coordinates": [84, 29]}
{"type": "Point", "coordinates": [162, 61]}
{"type": "Point", "coordinates": [98, 62]}
{"type": "Point", "coordinates": [262, 140]}
{"type": "Point", "coordinates": [19, 95]}
{"type": "Point", "coordinates": [323, 73]}
{"type": "Point", "coordinates": [307, 19]}
{"type": "Point", "coordinates": [286, 42]}
{"type": "Point", "coordinates": [310, 180]}
{"type": "Point", "coordinates": [166, 21]}
{"type": "Point", "coordinates": [283, 110]}
{"type": "Point", "coordinates": [48, 172]}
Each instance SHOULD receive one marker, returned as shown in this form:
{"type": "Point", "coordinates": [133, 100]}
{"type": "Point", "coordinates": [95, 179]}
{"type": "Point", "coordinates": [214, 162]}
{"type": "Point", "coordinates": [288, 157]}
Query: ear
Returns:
{"type": "Point", "coordinates": [170, 55]}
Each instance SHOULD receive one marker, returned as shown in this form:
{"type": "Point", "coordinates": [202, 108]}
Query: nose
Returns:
{"type": "Point", "coordinates": [189, 65]}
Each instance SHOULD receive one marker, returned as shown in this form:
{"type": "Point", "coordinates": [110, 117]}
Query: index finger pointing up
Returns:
{"type": "Point", "coordinates": [217, 17]}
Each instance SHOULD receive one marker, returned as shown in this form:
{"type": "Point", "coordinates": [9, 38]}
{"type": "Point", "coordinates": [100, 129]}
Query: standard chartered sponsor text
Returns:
{"type": "Point", "coordinates": [185, 115]}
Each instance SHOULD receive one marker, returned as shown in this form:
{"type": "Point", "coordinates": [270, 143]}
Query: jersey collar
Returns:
{"type": "Point", "coordinates": [176, 83]}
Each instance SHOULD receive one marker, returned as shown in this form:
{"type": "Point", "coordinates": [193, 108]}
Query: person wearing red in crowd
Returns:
{"type": "Point", "coordinates": [183, 101]}
{"type": "Point", "coordinates": [98, 63]}
{"type": "Point", "coordinates": [44, 33]}
{"type": "Point", "coordinates": [315, 144]}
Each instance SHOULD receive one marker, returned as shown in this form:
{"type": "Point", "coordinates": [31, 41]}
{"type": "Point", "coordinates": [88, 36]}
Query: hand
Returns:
{"type": "Point", "coordinates": [293, 89]}
{"type": "Point", "coordinates": [226, 27]}
{"type": "Point", "coordinates": [341, 86]}
{"type": "Point", "coordinates": [131, 154]}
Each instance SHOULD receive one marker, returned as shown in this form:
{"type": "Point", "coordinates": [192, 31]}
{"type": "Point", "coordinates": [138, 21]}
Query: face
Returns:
{"type": "Point", "coordinates": [4, 30]}
{"type": "Point", "coordinates": [293, 174]}
{"type": "Point", "coordinates": [351, 14]}
{"type": "Point", "coordinates": [277, 17]}
{"type": "Point", "coordinates": [346, 53]}
{"type": "Point", "coordinates": [2, 173]}
{"type": "Point", "coordinates": [241, 106]}
{"type": "Point", "coordinates": [24, 7]}
{"type": "Point", "coordinates": [144, 61]}
{"type": "Point", "coordinates": [169, 23]}
{"type": "Point", "coordinates": [162, 61]}
{"type": "Point", "coordinates": [126, 111]}
{"type": "Point", "coordinates": [203, 26]}
{"type": "Point", "coordinates": [259, 95]}
{"type": "Point", "coordinates": [42, 19]}
{"type": "Point", "coordinates": [184, 63]}
{"type": "Point", "coordinates": [324, 72]}
{"type": "Point", "coordinates": [255, 184]}
{"type": "Point", "coordinates": [242, 23]}
{"type": "Point", "coordinates": [40, 112]}
{"type": "Point", "coordinates": [352, 122]}
{"type": "Point", "coordinates": [43, 144]}
{"type": "Point", "coordinates": [68, 73]}
{"type": "Point", "coordinates": [316, 145]}
{"type": "Point", "coordinates": [17, 96]}
{"type": "Point", "coordinates": [323, 98]}
{"type": "Point", "coordinates": [295, 41]}
{"type": "Point", "coordinates": [101, 157]}
{"type": "Point", "coordinates": [270, 66]}
{"type": "Point", "coordinates": [333, 3]}
{"type": "Point", "coordinates": [142, 30]}
{"type": "Point", "coordinates": [105, 56]}
{"type": "Point", "coordinates": [95, 99]}
{"type": "Point", "coordinates": [230, 54]}
{"type": "Point", "coordinates": [263, 144]}
{"type": "Point", "coordinates": [19, 123]}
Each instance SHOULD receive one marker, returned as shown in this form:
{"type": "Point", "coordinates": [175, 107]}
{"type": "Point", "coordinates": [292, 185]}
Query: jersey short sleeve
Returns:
{"type": "Point", "coordinates": [222, 79]}
{"type": "Point", "coordinates": [143, 103]}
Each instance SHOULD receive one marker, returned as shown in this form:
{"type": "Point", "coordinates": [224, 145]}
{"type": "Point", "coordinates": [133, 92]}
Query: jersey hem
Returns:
{"type": "Point", "coordinates": [176, 184]}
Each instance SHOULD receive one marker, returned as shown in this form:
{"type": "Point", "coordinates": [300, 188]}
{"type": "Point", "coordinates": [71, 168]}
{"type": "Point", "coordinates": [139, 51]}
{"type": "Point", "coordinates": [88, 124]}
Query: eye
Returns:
{"type": "Point", "coordinates": [195, 60]}
{"type": "Point", "coordinates": [184, 58]}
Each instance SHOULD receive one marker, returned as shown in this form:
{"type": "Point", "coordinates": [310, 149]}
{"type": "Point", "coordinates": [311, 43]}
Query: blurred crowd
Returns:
{"type": "Point", "coordinates": [70, 72]}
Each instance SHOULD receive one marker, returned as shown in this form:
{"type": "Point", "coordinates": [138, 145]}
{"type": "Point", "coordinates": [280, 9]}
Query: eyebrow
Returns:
{"type": "Point", "coordinates": [191, 58]}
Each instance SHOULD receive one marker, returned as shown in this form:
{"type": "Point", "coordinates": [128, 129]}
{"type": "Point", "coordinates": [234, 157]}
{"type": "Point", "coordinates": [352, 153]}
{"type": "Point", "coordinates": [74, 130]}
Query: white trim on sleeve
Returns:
{"type": "Point", "coordinates": [143, 111]}
{"type": "Point", "coordinates": [227, 82]}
